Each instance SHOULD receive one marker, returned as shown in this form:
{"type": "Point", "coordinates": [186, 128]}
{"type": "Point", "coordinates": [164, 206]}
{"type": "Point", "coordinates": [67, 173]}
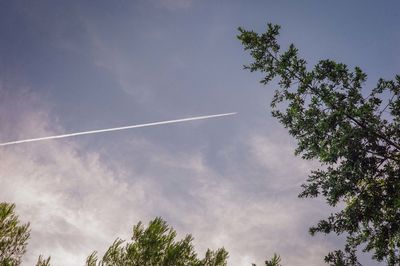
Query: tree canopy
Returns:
{"type": "Point", "coordinates": [353, 131]}
{"type": "Point", "coordinates": [13, 236]}
{"type": "Point", "coordinates": [150, 246]}
{"type": "Point", "coordinates": [156, 245]}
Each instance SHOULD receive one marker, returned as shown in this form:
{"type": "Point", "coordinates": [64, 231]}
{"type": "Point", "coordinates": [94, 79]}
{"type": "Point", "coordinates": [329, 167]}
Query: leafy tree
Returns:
{"type": "Point", "coordinates": [353, 133]}
{"type": "Point", "coordinates": [13, 236]}
{"type": "Point", "coordinates": [152, 246]}
{"type": "Point", "coordinates": [156, 245]}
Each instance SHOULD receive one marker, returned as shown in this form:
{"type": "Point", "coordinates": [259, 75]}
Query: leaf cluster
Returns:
{"type": "Point", "coordinates": [274, 261]}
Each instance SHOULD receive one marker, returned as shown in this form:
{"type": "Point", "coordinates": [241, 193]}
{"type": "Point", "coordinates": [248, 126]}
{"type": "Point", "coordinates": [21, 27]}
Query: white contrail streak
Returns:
{"type": "Point", "coordinates": [115, 129]}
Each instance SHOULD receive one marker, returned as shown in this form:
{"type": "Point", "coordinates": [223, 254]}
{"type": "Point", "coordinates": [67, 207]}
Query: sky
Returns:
{"type": "Point", "coordinates": [69, 66]}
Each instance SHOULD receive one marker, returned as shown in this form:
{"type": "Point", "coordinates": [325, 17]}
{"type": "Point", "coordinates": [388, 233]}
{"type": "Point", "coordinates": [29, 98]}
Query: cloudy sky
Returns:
{"type": "Point", "coordinates": [68, 66]}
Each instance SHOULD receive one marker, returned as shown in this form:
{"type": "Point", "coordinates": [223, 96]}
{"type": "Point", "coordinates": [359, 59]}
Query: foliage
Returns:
{"type": "Point", "coordinates": [275, 261]}
{"type": "Point", "coordinates": [43, 262]}
{"type": "Point", "coordinates": [13, 236]}
{"type": "Point", "coordinates": [156, 245]}
{"type": "Point", "coordinates": [355, 135]}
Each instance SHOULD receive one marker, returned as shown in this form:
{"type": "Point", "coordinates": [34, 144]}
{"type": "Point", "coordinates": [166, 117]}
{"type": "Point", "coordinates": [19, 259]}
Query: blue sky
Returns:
{"type": "Point", "coordinates": [73, 66]}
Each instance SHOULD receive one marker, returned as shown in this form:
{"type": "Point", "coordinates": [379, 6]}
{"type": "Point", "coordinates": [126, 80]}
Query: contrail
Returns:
{"type": "Point", "coordinates": [115, 129]}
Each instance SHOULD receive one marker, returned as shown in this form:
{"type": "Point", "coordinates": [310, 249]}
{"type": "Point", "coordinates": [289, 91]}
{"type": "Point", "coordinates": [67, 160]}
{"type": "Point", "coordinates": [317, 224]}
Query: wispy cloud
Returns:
{"type": "Point", "coordinates": [71, 199]}
{"type": "Point", "coordinates": [77, 203]}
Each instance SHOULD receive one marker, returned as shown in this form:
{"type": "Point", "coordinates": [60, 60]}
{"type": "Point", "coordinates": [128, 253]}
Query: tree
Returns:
{"type": "Point", "coordinates": [13, 236]}
{"type": "Point", "coordinates": [353, 133]}
{"type": "Point", "coordinates": [156, 245]}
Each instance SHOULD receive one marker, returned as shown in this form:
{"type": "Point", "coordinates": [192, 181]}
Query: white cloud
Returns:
{"type": "Point", "coordinates": [275, 156]}
{"type": "Point", "coordinates": [253, 226]}
{"type": "Point", "coordinates": [77, 202]}
{"type": "Point", "coordinates": [73, 202]}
